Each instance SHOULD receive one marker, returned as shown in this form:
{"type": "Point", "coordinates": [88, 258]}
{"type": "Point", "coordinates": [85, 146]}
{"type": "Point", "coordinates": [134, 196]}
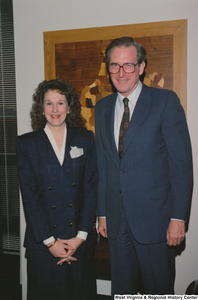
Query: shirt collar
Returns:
{"type": "Point", "coordinates": [133, 96]}
{"type": "Point", "coordinates": [60, 155]}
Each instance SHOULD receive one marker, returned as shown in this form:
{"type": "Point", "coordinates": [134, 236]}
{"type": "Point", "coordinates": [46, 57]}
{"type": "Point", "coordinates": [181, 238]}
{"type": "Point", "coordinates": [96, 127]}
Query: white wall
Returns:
{"type": "Point", "coordinates": [32, 17]}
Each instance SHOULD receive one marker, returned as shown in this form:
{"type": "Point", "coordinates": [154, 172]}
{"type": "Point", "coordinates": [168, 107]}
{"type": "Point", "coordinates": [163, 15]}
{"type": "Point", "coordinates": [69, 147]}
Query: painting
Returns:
{"type": "Point", "coordinates": [83, 64]}
{"type": "Point", "coordinates": [78, 55]}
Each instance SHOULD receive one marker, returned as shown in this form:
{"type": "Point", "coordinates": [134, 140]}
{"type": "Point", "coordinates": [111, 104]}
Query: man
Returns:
{"type": "Point", "coordinates": [145, 176]}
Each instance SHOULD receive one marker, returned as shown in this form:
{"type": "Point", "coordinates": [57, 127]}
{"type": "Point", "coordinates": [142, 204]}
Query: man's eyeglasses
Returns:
{"type": "Point", "coordinates": [114, 68]}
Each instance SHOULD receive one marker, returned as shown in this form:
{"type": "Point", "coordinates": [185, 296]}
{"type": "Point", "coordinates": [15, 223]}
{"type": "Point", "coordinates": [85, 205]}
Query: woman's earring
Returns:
{"type": "Point", "coordinates": [43, 113]}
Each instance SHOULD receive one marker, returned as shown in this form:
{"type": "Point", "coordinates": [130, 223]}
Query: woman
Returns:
{"type": "Point", "coordinates": [58, 179]}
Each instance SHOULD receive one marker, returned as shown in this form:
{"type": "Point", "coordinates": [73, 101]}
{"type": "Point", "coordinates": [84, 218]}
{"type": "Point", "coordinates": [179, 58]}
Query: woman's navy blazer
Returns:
{"type": "Point", "coordinates": [58, 200]}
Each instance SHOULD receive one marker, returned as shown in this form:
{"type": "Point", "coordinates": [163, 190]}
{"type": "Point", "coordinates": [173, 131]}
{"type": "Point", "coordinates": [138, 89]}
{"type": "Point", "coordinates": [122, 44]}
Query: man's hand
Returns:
{"type": "Point", "coordinates": [102, 227]}
{"type": "Point", "coordinates": [175, 232]}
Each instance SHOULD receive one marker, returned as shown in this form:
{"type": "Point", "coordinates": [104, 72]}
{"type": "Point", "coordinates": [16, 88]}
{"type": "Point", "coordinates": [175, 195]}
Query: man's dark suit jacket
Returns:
{"type": "Point", "coordinates": [154, 176]}
{"type": "Point", "coordinates": [58, 200]}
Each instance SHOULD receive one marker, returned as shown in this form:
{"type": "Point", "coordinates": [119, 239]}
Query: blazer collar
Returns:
{"type": "Point", "coordinates": [50, 154]}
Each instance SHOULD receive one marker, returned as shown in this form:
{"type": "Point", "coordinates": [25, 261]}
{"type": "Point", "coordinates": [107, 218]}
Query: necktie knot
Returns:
{"type": "Point", "coordinates": [125, 100]}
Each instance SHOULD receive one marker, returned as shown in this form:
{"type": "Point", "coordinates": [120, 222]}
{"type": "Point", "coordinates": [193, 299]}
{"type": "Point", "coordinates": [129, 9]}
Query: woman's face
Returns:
{"type": "Point", "coordinates": [55, 108]}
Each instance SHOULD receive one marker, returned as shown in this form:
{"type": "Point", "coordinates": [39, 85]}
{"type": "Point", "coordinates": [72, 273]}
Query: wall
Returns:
{"type": "Point", "coordinates": [32, 17]}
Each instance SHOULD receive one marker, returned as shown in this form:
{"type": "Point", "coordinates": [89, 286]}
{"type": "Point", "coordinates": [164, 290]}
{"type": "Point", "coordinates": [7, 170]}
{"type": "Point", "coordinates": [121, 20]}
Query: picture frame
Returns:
{"type": "Point", "coordinates": [175, 30]}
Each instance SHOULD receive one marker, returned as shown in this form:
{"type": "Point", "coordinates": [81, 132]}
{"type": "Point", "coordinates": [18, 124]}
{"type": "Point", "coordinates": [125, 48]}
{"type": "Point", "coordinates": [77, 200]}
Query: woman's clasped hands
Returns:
{"type": "Point", "coordinates": [64, 249]}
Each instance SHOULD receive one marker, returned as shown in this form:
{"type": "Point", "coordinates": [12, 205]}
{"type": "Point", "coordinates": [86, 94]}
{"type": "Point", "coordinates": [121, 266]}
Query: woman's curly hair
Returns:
{"type": "Point", "coordinates": [73, 119]}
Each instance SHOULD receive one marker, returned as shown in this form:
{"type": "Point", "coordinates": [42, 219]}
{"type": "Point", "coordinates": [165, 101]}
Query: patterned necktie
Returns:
{"type": "Point", "coordinates": [123, 126]}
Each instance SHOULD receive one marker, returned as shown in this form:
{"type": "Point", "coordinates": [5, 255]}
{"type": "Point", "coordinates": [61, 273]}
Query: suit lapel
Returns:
{"type": "Point", "coordinates": [141, 110]}
{"type": "Point", "coordinates": [109, 123]}
{"type": "Point", "coordinates": [45, 146]}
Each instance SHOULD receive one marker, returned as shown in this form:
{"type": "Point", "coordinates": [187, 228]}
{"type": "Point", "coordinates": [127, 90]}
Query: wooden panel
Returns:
{"type": "Point", "coordinates": [102, 260]}
{"type": "Point", "coordinates": [83, 64]}
{"type": "Point", "coordinates": [175, 30]}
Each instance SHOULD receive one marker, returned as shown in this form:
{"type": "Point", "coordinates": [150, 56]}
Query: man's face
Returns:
{"type": "Point", "coordinates": [125, 83]}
